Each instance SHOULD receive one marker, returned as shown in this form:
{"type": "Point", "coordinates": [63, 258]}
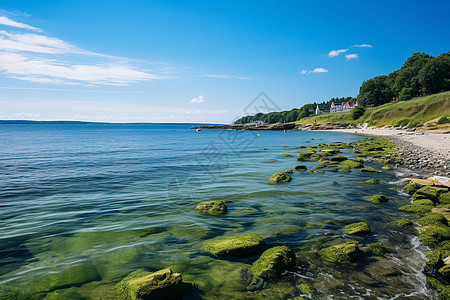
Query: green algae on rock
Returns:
{"type": "Point", "coordinates": [280, 177]}
{"type": "Point", "coordinates": [339, 158]}
{"type": "Point", "coordinates": [444, 198]}
{"type": "Point", "coordinates": [300, 167]}
{"type": "Point", "coordinates": [411, 188]}
{"type": "Point", "coordinates": [345, 169]}
{"type": "Point", "coordinates": [418, 209]}
{"type": "Point", "coordinates": [432, 219]}
{"type": "Point", "coordinates": [429, 192]}
{"type": "Point", "coordinates": [404, 222]}
{"type": "Point", "coordinates": [334, 182]}
{"type": "Point", "coordinates": [353, 164]}
{"type": "Point", "coordinates": [212, 208]}
{"type": "Point", "coordinates": [160, 285]}
{"type": "Point", "coordinates": [369, 170]}
{"type": "Point", "coordinates": [423, 202]}
{"type": "Point", "coordinates": [432, 235]}
{"type": "Point", "coordinates": [287, 155]}
{"type": "Point", "coordinates": [377, 147]}
{"type": "Point", "coordinates": [244, 245]}
{"type": "Point", "coordinates": [342, 253]}
{"type": "Point", "coordinates": [379, 199]}
{"type": "Point", "coordinates": [377, 249]}
{"type": "Point", "coordinates": [374, 181]}
{"type": "Point", "coordinates": [273, 262]}
{"type": "Point", "coordinates": [359, 159]}
{"type": "Point", "coordinates": [359, 228]}
{"type": "Point", "coordinates": [306, 288]}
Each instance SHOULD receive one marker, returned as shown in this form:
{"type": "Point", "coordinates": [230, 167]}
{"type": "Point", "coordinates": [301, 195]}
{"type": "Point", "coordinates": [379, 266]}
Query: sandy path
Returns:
{"type": "Point", "coordinates": [435, 142]}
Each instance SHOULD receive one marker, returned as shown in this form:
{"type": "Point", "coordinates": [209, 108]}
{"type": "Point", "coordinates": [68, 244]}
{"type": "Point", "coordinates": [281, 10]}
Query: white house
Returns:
{"type": "Point", "coordinates": [337, 107]}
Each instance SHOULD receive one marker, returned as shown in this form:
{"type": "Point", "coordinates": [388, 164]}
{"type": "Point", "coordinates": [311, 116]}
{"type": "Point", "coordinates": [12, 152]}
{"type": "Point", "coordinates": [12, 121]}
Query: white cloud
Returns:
{"type": "Point", "coordinates": [363, 46]}
{"type": "Point", "coordinates": [8, 22]}
{"type": "Point", "coordinates": [42, 59]}
{"type": "Point", "coordinates": [334, 53]}
{"type": "Point", "coordinates": [351, 56]}
{"type": "Point", "coordinates": [316, 70]}
{"type": "Point", "coordinates": [319, 70]}
{"type": "Point", "coordinates": [199, 99]}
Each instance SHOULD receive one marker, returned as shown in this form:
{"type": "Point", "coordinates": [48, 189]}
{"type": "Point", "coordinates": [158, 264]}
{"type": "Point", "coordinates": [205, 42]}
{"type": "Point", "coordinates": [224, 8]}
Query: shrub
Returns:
{"type": "Point", "coordinates": [443, 120]}
{"type": "Point", "coordinates": [357, 112]}
{"type": "Point", "coordinates": [405, 94]}
{"type": "Point", "coordinates": [402, 123]}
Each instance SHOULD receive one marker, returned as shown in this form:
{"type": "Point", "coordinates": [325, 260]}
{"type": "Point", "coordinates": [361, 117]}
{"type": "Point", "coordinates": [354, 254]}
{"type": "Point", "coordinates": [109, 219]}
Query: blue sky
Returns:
{"type": "Point", "coordinates": [200, 61]}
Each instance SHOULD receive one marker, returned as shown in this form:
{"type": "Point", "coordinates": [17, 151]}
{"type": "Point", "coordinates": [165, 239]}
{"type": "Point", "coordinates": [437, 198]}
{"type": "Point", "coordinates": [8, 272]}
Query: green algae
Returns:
{"type": "Point", "coordinates": [212, 208]}
{"type": "Point", "coordinates": [339, 158]}
{"type": "Point", "coordinates": [432, 219]}
{"type": "Point", "coordinates": [377, 249]}
{"type": "Point", "coordinates": [429, 192]}
{"type": "Point", "coordinates": [345, 169]}
{"type": "Point", "coordinates": [379, 199]}
{"type": "Point", "coordinates": [374, 181]}
{"type": "Point", "coordinates": [411, 188]}
{"type": "Point", "coordinates": [369, 170]}
{"type": "Point", "coordinates": [353, 164]}
{"type": "Point", "coordinates": [243, 245]}
{"type": "Point", "coordinates": [360, 228]}
{"type": "Point", "coordinates": [444, 198]}
{"type": "Point", "coordinates": [280, 177]}
{"type": "Point", "coordinates": [273, 262]}
{"type": "Point", "coordinates": [432, 235]}
{"type": "Point", "coordinates": [341, 254]}
{"type": "Point", "coordinates": [404, 222]}
{"type": "Point", "coordinates": [423, 202]}
{"type": "Point", "coordinates": [287, 155]}
{"type": "Point", "coordinates": [300, 167]}
{"type": "Point", "coordinates": [418, 209]}
{"type": "Point", "coordinates": [377, 147]}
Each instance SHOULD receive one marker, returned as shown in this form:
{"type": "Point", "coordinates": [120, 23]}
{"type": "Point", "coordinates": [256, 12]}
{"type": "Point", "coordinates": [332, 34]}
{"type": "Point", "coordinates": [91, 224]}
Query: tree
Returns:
{"type": "Point", "coordinates": [434, 77]}
{"type": "Point", "coordinates": [375, 91]}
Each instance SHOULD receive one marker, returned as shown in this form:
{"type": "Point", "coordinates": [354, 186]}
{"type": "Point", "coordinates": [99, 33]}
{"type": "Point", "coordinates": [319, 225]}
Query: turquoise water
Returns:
{"type": "Point", "coordinates": [82, 205]}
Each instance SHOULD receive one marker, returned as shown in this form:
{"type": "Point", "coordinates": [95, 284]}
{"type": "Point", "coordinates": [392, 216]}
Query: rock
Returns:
{"type": "Point", "coordinates": [369, 170]}
{"type": "Point", "coordinates": [444, 198]}
{"type": "Point", "coordinates": [352, 164]}
{"type": "Point", "coordinates": [377, 249]}
{"type": "Point", "coordinates": [374, 181]}
{"type": "Point", "coordinates": [287, 155]}
{"type": "Point", "coordinates": [418, 209]}
{"type": "Point", "coordinates": [432, 235]}
{"type": "Point", "coordinates": [404, 222]}
{"type": "Point", "coordinates": [273, 262]}
{"type": "Point", "coordinates": [280, 177]}
{"type": "Point", "coordinates": [342, 253]}
{"type": "Point", "coordinates": [300, 167]}
{"type": "Point", "coordinates": [429, 192]}
{"type": "Point", "coordinates": [244, 245]}
{"type": "Point", "coordinates": [434, 262]}
{"type": "Point", "coordinates": [445, 272]}
{"type": "Point", "coordinates": [432, 219]}
{"type": "Point", "coordinates": [440, 181]}
{"type": "Point", "coordinates": [424, 202]}
{"type": "Point", "coordinates": [360, 228]}
{"type": "Point", "coordinates": [339, 158]}
{"type": "Point", "coordinates": [443, 211]}
{"type": "Point", "coordinates": [160, 285]}
{"type": "Point", "coordinates": [359, 159]}
{"type": "Point", "coordinates": [334, 182]}
{"type": "Point", "coordinates": [411, 188]}
{"type": "Point", "coordinates": [306, 288]}
{"type": "Point", "coordinates": [345, 169]}
{"type": "Point", "coordinates": [212, 208]}
{"type": "Point", "coordinates": [378, 199]}
{"type": "Point", "coordinates": [447, 260]}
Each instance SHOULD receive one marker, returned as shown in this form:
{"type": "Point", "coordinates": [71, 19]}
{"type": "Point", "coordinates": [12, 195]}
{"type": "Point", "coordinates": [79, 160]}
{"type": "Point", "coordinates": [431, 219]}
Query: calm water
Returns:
{"type": "Point", "coordinates": [83, 205]}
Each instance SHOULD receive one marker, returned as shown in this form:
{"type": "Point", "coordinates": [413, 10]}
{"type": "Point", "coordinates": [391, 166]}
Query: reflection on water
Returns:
{"type": "Point", "coordinates": [84, 205]}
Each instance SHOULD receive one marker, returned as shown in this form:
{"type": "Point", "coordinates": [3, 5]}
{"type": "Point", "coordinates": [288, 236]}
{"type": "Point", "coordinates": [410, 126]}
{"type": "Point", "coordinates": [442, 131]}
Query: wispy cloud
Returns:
{"type": "Point", "coordinates": [39, 58]}
{"type": "Point", "coordinates": [363, 46]}
{"type": "Point", "coordinates": [351, 56]}
{"type": "Point", "coordinates": [334, 53]}
{"type": "Point", "coordinates": [8, 22]}
{"type": "Point", "coordinates": [199, 99]}
{"type": "Point", "coordinates": [316, 70]}
{"type": "Point", "coordinates": [223, 76]}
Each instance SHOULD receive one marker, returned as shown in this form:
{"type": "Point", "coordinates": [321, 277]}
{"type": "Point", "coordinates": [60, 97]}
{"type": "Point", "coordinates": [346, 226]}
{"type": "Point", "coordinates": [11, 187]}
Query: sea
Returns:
{"type": "Point", "coordinates": [82, 205]}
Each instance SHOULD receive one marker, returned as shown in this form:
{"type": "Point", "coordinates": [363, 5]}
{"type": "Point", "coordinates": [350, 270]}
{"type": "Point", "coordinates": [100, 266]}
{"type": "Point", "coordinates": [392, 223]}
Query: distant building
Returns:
{"type": "Point", "coordinates": [322, 109]}
{"type": "Point", "coordinates": [337, 107]}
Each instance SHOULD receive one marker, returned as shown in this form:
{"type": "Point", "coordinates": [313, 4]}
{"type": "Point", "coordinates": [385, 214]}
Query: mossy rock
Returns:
{"type": "Point", "coordinates": [434, 262]}
{"type": "Point", "coordinates": [445, 272]}
{"type": "Point", "coordinates": [345, 169]}
{"type": "Point", "coordinates": [341, 254]}
{"type": "Point", "coordinates": [288, 172]}
{"type": "Point", "coordinates": [411, 188]}
{"type": "Point", "coordinates": [374, 181]}
{"type": "Point", "coordinates": [313, 171]}
{"type": "Point", "coordinates": [212, 208]}
{"type": "Point", "coordinates": [334, 182]}
{"type": "Point", "coordinates": [445, 211]}
{"type": "Point", "coordinates": [359, 159]}
{"type": "Point", "coordinates": [339, 158]}
{"type": "Point", "coordinates": [379, 199]}
{"type": "Point", "coordinates": [404, 222]}
{"type": "Point", "coordinates": [432, 235]}
{"type": "Point", "coordinates": [360, 228]}
{"type": "Point", "coordinates": [273, 262]}
{"type": "Point", "coordinates": [429, 192]}
{"type": "Point", "coordinates": [300, 167]}
{"type": "Point", "coordinates": [280, 177]}
{"type": "Point", "coordinates": [386, 167]}
{"type": "Point", "coordinates": [418, 209]}
{"type": "Point", "coordinates": [244, 245]}
{"type": "Point", "coordinates": [330, 152]}
{"type": "Point", "coordinates": [369, 170]}
{"type": "Point", "coordinates": [287, 155]}
{"type": "Point", "coordinates": [160, 285]}
{"type": "Point", "coordinates": [352, 164]}
{"type": "Point", "coordinates": [444, 198]}
{"type": "Point", "coordinates": [306, 288]}
{"type": "Point", "coordinates": [377, 249]}
{"type": "Point", "coordinates": [432, 219]}
{"type": "Point", "coordinates": [377, 147]}
{"type": "Point", "coordinates": [423, 202]}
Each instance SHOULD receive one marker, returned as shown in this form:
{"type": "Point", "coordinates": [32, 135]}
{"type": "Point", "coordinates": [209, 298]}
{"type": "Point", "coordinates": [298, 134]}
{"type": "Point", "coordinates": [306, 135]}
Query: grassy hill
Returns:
{"type": "Point", "coordinates": [414, 112]}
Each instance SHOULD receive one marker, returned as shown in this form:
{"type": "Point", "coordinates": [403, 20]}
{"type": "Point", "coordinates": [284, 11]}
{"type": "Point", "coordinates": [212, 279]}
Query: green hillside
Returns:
{"type": "Point", "coordinates": [414, 112]}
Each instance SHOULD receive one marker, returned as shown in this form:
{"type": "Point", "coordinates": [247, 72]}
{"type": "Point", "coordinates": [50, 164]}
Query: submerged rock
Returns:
{"type": "Point", "coordinates": [280, 177]}
{"type": "Point", "coordinates": [360, 228]}
{"type": "Point", "coordinates": [352, 164]}
{"type": "Point", "coordinates": [244, 245]}
{"type": "Point", "coordinates": [212, 208]}
{"type": "Point", "coordinates": [377, 249]}
{"type": "Point", "coordinates": [160, 285]}
{"type": "Point", "coordinates": [273, 262]}
{"type": "Point", "coordinates": [345, 169]}
{"type": "Point", "coordinates": [404, 222]}
{"type": "Point", "coordinates": [287, 155]}
{"type": "Point", "coordinates": [374, 181]}
{"type": "Point", "coordinates": [369, 170]}
{"type": "Point", "coordinates": [378, 199]}
{"type": "Point", "coordinates": [342, 253]}
{"type": "Point", "coordinates": [300, 167]}
{"type": "Point", "coordinates": [339, 158]}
